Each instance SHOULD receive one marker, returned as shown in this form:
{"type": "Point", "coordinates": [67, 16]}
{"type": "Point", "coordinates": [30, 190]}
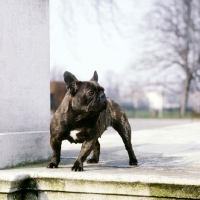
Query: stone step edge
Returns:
{"type": "Point", "coordinates": [161, 190]}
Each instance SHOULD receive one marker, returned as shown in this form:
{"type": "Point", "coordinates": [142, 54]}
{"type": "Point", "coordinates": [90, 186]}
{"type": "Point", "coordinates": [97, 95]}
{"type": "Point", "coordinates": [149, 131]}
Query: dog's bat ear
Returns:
{"type": "Point", "coordinates": [95, 77]}
{"type": "Point", "coordinates": [71, 82]}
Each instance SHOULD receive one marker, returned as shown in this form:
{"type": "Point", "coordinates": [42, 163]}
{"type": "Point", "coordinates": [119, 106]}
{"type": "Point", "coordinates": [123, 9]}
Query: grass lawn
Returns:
{"type": "Point", "coordinates": [173, 114]}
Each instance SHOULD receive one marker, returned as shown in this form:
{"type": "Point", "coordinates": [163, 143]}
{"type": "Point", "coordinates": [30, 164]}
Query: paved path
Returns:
{"type": "Point", "coordinates": [147, 124]}
{"type": "Point", "coordinates": [167, 147]}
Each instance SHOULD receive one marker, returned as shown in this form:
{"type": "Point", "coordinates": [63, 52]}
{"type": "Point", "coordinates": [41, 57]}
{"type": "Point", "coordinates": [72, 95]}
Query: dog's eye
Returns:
{"type": "Point", "coordinates": [91, 93]}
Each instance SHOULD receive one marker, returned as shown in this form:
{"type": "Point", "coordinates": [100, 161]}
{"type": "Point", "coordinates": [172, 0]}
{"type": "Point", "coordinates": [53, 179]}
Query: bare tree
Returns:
{"type": "Point", "coordinates": [175, 46]}
{"type": "Point", "coordinates": [105, 12]}
{"type": "Point", "coordinates": [112, 85]}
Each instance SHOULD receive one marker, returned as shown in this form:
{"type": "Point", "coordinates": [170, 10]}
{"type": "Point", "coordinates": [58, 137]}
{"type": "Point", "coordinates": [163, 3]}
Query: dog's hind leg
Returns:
{"type": "Point", "coordinates": [96, 153]}
{"type": "Point", "coordinates": [124, 131]}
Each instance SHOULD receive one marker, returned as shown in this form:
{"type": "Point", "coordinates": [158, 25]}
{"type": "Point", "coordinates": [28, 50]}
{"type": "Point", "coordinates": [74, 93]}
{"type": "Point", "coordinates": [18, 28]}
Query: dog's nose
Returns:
{"type": "Point", "coordinates": [101, 95]}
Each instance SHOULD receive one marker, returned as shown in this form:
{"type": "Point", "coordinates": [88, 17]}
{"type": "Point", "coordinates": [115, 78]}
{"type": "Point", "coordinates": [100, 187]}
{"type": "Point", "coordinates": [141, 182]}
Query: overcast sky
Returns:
{"type": "Point", "coordinates": [104, 40]}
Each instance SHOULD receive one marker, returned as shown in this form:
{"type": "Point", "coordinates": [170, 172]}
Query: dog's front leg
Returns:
{"type": "Point", "coordinates": [86, 148]}
{"type": "Point", "coordinates": [56, 147]}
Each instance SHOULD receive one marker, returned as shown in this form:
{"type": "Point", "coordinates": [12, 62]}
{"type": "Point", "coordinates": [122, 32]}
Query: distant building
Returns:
{"type": "Point", "coordinates": [151, 100]}
{"type": "Point", "coordinates": [155, 102]}
{"type": "Point", "coordinates": [57, 93]}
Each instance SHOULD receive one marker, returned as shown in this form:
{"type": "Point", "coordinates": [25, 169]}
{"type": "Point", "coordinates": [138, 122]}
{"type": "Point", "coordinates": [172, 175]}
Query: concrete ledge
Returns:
{"type": "Point", "coordinates": [81, 188]}
{"type": "Point", "coordinates": [18, 148]}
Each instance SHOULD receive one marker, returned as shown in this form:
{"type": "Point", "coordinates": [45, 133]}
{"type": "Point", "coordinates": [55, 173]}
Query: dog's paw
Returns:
{"type": "Point", "coordinates": [92, 160]}
{"type": "Point", "coordinates": [77, 167]}
{"type": "Point", "coordinates": [133, 162]}
{"type": "Point", "coordinates": [52, 165]}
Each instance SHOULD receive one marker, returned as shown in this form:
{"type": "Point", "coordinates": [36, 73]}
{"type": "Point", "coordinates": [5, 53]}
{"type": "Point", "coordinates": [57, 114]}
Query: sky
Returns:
{"type": "Point", "coordinates": [103, 38]}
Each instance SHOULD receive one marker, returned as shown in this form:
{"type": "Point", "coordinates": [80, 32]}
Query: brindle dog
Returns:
{"type": "Point", "coordinates": [83, 116]}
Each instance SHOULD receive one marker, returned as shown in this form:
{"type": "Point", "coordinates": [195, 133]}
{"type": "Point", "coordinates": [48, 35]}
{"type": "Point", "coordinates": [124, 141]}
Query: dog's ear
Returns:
{"type": "Point", "coordinates": [71, 82]}
{"type": "Point", "coordinates": [95, 77]}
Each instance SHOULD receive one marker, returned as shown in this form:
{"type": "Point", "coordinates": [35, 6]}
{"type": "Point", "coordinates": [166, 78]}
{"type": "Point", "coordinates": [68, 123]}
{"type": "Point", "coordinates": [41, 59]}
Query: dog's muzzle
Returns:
{"type": "Point", "coordinates": [99, 103]}
{"type": "Point", "coordinates": [102, 99]}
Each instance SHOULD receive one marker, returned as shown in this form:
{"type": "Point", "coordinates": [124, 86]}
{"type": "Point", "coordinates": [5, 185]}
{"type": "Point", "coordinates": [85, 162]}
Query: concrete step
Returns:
{"type": "Point", "coordinates": [106, 184]}
{"type": "Point", "coordinates": [169, 167]}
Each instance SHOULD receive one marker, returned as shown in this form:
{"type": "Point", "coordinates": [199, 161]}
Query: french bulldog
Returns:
{"type": "Point", "coordinates": [83, 116]}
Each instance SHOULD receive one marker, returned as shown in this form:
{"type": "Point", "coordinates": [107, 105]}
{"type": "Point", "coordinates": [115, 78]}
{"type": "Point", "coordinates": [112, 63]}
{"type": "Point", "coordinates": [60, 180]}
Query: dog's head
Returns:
{"type": "Point", "coordinates": [87, 96]}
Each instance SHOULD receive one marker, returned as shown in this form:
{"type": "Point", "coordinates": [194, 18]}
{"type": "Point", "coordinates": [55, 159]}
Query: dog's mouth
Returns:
{"type": "Point", "coordinates": [103, 105]}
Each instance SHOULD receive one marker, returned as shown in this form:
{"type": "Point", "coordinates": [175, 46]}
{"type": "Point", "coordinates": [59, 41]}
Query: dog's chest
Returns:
{"type": "Point", "coordinates": [73, 134]}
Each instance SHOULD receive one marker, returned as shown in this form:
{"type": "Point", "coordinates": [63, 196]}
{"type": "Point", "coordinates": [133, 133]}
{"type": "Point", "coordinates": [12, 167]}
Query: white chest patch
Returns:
{"type": "Point", "coordinates": [73, 134]}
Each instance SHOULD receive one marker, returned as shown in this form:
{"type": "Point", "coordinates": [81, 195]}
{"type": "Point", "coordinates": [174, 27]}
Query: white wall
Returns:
{"type": "Point", "coordinates": [24, 73]}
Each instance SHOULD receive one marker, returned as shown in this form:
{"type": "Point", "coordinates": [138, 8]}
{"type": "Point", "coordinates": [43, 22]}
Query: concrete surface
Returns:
{"type": "Point", "coordinates": [24, 78]}
{"type": "Point", "coordinates": [169, 167]}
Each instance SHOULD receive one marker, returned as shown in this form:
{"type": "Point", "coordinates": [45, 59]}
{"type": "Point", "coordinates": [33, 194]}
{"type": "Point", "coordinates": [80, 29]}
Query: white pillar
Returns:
{"type": "Point", "coordinates": [24, 81]}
